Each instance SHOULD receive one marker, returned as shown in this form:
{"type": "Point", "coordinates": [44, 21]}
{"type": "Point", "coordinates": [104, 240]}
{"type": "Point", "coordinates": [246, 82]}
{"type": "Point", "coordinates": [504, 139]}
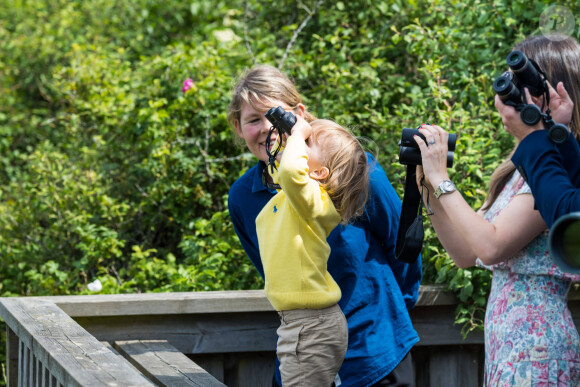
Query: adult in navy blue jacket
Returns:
{"type": "Point", "coordinates": [551, 170]}
{"type": "Point", "coordinates": [377, 290]}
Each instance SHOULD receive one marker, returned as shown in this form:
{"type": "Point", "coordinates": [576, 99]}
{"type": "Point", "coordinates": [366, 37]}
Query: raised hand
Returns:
{"type": "Point", "coordinates": [561, 105]}
{"type": "Point", "coordinates": [433, 154]}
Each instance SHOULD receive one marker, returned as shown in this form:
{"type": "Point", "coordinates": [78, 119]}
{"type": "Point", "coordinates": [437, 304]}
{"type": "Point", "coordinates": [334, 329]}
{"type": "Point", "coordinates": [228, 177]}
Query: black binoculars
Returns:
{"type": "Point", "coordinates": [524, 73]}
{"type": "Point", "coordinates": [281, 119]}
{"type": "Point", "coordinates": [409, 152]}
{"type": "Point", "coordinates": [510, 88]}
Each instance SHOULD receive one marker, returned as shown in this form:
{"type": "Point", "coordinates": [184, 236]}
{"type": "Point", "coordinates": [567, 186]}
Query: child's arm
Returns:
{"type": "Point", "coordinates": [303, 193]}
{"type": "Point", "coordinates": [302, 129]}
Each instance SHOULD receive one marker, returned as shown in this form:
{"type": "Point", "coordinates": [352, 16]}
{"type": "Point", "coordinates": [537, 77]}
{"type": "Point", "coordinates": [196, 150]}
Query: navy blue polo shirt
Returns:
{"type": "Point", "coordinates": [377, 289]}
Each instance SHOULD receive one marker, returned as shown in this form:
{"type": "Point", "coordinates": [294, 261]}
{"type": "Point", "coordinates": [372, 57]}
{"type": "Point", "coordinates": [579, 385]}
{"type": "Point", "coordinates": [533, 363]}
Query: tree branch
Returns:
{"type": "Point", "coordinates": [298, 30]}
{"type": "Point", "coordinates": [246, 40]}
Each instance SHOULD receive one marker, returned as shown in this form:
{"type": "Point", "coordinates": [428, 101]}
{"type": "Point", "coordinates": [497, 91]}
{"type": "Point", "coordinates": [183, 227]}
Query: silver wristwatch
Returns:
{"type": "Point", "coordinates": [446, 186]}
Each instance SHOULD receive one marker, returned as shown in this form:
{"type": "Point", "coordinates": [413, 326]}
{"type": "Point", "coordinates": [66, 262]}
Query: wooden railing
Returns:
{"type": "Point", "coordinates": [198, 339]}
{"type": "Point", "coordinates": [45, 347]}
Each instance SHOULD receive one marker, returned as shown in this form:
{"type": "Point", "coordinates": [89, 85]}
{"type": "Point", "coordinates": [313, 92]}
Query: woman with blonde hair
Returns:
{"type": "Point", "coordinates": [377, 289]}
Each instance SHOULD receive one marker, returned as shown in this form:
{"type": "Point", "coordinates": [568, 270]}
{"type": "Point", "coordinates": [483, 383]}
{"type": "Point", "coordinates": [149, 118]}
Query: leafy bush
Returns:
{"type": "Point", "coordinates": [110, 171]}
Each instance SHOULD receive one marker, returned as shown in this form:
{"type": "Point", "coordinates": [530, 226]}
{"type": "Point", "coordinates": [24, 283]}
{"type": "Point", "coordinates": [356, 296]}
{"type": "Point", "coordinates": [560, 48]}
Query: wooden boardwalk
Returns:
{"type": "Point", "coordinates": [198, 339]}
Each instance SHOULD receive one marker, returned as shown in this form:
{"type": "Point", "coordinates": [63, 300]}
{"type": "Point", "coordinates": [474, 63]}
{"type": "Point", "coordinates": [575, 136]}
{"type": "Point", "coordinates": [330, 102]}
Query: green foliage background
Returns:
{"type": "Point", "coordinates": [109, 171]}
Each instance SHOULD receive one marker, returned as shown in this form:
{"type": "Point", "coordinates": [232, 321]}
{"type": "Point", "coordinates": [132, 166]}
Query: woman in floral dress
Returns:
{"type": "Point", "coordinates": [530, 338]}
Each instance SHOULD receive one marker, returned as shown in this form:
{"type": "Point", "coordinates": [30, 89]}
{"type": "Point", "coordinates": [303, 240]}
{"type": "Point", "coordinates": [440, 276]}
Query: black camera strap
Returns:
{"type": "Point", "coordinates": [410, 234]}
{"type": "Point", "coordinates": [269, 185]}
{"type": "Point", "coordinates": [272, 155]}
{"type": "Point", "coordinates": [271, 161]}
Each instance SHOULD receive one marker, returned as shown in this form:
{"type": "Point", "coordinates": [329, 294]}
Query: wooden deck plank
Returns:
{"type": "Point", "coordinates": [436, 326]}
{"type": "Point", "coordinates": [164, 364]}
{"type": "Point", "coordinates": [207, 333]}
{"type": "Point", "coordinates": [244, 332]}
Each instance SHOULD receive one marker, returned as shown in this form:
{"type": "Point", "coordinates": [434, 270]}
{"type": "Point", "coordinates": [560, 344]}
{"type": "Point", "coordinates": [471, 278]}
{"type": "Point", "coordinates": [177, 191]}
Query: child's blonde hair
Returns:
{"type": "Point", "coordinates": [348, 181]}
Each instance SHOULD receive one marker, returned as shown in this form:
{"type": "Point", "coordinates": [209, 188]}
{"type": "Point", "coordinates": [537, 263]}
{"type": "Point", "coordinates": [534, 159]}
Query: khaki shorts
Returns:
{"type": "Point", "coordinates": [311, 346]}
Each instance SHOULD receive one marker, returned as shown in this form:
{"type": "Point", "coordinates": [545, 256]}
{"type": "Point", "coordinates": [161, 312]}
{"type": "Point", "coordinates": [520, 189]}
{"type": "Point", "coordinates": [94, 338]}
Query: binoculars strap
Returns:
{"type": "Point", "coordinates": [410, 234]}
{"type": "Point", "coordinates": [272, 155]}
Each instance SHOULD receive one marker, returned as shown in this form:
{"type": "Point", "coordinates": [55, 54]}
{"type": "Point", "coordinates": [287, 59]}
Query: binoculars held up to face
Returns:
{"type": "Point", "coordinates": [409, 152]}
{"type": "Point", "coordinates": [281, 119]}
{"type": "Point", "coordinates": [525, 73]}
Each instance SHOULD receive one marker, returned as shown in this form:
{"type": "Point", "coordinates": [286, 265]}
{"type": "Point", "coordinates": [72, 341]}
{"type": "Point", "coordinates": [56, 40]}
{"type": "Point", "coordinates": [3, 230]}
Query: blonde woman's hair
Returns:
{"type": "Point", "coordinates": [262, 85]}
{"type": "Point", "coordinates": [348, 181]}
{"type": "Point", "coordinates": [560, 59]}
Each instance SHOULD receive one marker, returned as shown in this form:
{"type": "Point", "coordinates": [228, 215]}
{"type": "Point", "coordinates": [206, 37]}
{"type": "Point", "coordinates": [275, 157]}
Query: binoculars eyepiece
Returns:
{"type": "Point", "coordinates": [507, 87]}
{"type": "Point", "coordinates": [524, 73]}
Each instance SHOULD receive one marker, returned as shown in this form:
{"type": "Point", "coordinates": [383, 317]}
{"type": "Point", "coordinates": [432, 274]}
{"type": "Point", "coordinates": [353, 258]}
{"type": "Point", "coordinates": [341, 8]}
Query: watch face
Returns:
{"type": "Point", "coordinates": [445, 186]}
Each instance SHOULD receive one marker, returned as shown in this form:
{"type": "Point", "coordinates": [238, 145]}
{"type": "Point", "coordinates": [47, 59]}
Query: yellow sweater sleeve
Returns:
{"type": "Point", "coordinates": [305, 195]}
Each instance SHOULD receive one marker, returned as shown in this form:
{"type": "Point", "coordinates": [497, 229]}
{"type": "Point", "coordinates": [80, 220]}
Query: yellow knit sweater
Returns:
{"type": "Point", "coordinates": [292, 230]}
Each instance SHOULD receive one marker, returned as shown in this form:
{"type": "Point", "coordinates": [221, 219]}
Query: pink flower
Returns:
{"type": "Point", "coordinates": [187, 84]}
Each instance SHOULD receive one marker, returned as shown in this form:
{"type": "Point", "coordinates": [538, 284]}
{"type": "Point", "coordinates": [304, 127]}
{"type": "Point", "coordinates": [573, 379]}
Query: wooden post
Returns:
{"type": "Point", "coordinates": [454, 366]}
{"type": "Point", "coordinates": [12, 357]}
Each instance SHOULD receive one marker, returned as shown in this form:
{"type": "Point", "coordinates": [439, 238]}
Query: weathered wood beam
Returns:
{"type": "Point", "coordinates": [162, 363]}
{"type": "Point", "coordinates": [162, 303]}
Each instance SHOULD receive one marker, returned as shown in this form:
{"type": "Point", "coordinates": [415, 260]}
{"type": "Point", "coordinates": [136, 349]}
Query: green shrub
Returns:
{"type": "Point", "coordinates": [108, 171]}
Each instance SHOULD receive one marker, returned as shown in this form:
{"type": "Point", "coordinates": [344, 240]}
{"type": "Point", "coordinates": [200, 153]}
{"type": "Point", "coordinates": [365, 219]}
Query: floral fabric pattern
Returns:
{"type": "Point", "coordinates": [530, 338]}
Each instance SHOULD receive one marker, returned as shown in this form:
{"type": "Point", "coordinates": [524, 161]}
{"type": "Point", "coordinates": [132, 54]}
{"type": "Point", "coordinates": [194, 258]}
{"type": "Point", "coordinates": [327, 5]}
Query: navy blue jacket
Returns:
{"type": "Point", "coordinates": [552, 172]}
{"type": "Point", "coordinates": [377, 289]}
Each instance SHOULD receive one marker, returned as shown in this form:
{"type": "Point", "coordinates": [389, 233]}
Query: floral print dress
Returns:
{"type": "Point", "coordinates": [530, 338]}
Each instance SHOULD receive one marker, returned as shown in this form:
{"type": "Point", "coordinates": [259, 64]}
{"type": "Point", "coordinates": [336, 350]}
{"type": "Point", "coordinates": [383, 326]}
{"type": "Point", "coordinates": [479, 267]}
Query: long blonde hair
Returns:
{"type": "Point", "coordinates": [559, 58]}
{"type": "Point", "coordinates": [348, 181]}
{"type": "Point", "coordinates": [261, 85]}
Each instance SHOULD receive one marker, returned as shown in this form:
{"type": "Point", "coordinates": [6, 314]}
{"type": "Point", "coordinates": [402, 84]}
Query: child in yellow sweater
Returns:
{"type": "Point", "coordinates": [323, 175]}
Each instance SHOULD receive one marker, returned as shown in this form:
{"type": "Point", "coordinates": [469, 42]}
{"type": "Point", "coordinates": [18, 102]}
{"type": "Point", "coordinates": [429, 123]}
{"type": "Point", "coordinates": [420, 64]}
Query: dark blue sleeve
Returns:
{"type": "Point", "coordinates": [383, 212]}
{"type": "Point", "coordinates": [243, 218]}
{"type": "Point", "coordinates": [552, 172]}
{"type": "Point", "coordinates": [570, 152]}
